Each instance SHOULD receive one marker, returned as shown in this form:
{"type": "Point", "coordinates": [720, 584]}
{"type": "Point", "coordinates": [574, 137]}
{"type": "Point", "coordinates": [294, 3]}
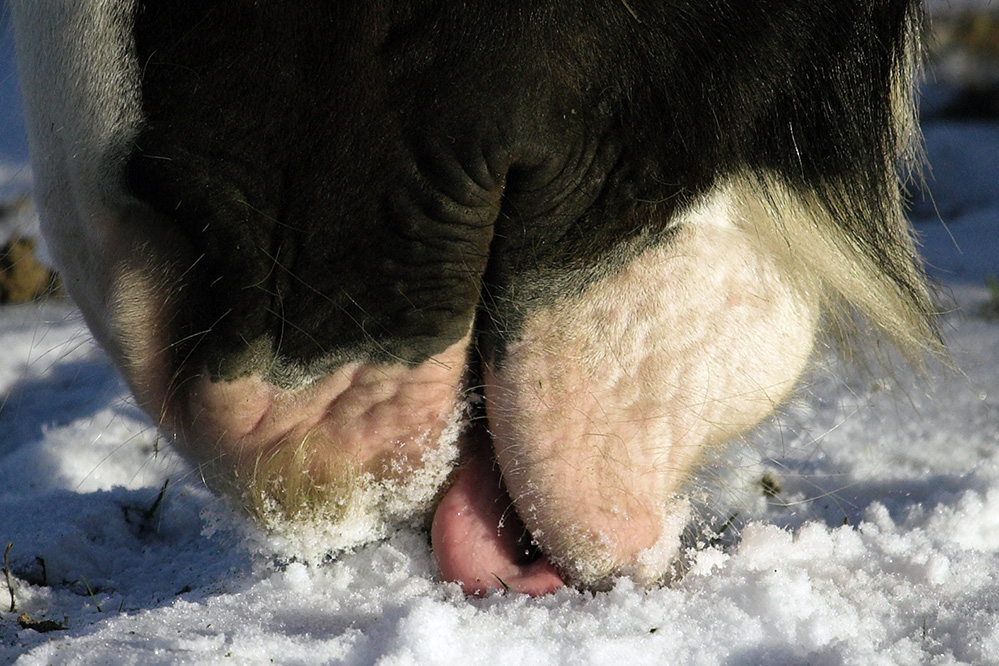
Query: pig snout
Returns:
{"type": "Point", "coordinates": [571, 448]}
{"type": "Point", "coordinates": [506, 272]}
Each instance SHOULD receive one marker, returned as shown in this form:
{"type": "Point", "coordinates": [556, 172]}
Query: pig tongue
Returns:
{"type": "Point", "coordinates": [479, 540]}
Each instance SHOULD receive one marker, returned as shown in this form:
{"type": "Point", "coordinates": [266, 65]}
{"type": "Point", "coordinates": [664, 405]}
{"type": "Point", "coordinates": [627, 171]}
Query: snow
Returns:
{"type": "Point", "coordinates": [877, 544]}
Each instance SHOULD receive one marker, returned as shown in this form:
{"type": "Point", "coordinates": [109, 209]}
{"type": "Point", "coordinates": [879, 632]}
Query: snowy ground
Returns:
{"type": "Point", "coordinates": [878, 542]}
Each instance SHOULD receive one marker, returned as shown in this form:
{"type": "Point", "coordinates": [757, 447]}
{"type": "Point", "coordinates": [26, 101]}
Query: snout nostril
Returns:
{"type": "Point", "coordinates": [528, 551]}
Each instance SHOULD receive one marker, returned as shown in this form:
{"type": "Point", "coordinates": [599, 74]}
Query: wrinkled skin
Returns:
{"type": "Point", "coordinates": [503, 269]}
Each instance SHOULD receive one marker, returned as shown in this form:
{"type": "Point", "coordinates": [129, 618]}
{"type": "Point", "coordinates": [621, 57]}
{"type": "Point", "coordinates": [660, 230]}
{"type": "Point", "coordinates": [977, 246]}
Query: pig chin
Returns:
{"type": "Point", "coordinates": [343, 460]}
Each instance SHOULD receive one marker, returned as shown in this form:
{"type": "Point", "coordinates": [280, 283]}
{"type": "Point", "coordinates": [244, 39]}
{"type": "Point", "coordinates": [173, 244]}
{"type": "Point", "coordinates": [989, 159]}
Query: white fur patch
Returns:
{"type": "Point", "coordinates": [608, 401]}
{"type": "Point", "coordinates": [119, 260]}
{"type": "Point", "coordinates": [81, 89]}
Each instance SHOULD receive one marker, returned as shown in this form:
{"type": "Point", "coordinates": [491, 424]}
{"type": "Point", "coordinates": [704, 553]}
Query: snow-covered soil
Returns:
{"type": "Point", "coordinates": [860, 526]}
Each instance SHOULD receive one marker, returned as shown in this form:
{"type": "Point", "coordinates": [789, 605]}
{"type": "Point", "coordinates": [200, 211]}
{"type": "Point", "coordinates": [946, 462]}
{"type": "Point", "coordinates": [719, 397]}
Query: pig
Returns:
{"type": "Point", "coordinates": [506, 271]}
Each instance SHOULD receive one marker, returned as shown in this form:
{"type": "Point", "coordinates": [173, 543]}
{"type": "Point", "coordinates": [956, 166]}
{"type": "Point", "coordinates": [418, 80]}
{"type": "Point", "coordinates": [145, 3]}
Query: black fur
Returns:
{"type": "Point", "coordinates": [363, 176]}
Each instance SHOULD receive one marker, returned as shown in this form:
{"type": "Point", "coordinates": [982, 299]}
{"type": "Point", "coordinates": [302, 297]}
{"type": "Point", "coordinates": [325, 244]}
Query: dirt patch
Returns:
{"type": "Point", "coordinates": [22, 278]}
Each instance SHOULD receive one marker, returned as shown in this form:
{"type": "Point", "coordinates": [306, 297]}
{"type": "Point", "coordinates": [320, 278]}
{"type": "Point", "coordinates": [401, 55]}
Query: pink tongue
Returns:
{"type": "Point", "coordinates": [478, 538]}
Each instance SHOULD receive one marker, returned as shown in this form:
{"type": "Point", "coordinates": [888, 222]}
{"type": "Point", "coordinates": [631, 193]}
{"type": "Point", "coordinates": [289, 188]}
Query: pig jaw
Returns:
{"type": "Point", "coordinates": [346, 459]}
{"type": "Point", "coordinates": [602, 409]}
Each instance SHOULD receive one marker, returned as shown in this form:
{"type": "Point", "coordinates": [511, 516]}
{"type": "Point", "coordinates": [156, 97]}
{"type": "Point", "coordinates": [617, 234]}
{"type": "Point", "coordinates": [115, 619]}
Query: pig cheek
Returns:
{"type": "Point", "coordinates": [335, 464]}
{"type": "Point", "coordinates": [604, 406]}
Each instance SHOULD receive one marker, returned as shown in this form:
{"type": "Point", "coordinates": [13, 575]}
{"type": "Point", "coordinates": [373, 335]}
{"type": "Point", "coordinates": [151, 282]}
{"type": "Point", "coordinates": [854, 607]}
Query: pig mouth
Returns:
{"type": "Point", "coordinates": [362, 451]}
